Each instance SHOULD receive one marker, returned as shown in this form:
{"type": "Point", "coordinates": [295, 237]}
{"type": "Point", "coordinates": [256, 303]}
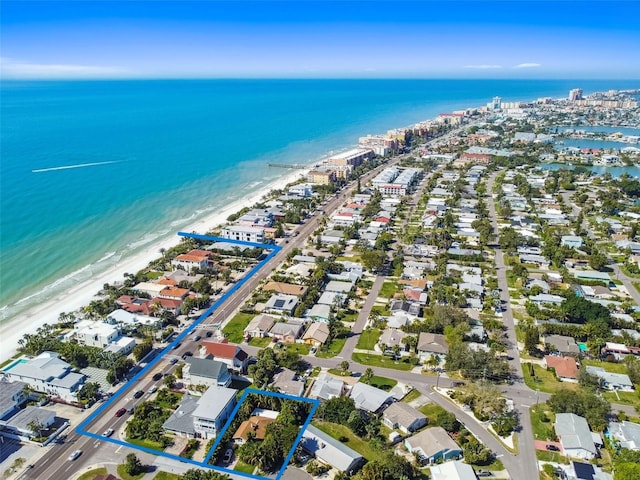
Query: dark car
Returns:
{"type": "Point", "coordinates": [187, 354]}
{"type": "Point", "coordinates": [209, 333]}
{"type": "Point", "coordinates": [121, 412]}
{"type": "Point", "coordinates": [138, 394]}
{"type": "Point", "coordinates": [157, 376]}
{"type": "Point", "coordinates": [552, 448]}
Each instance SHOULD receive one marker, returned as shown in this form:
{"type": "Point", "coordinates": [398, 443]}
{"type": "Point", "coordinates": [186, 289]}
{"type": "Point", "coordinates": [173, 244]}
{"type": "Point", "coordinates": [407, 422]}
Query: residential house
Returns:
{"type": "Point", "coordinates": [561, 343]}
{"type": "Point", "coordinates": [432, 445]}
{"type": "Point", "coordinates": [412, 308]}
{"type": "Point", "coordinates": [21, 424]}
{"type": "Point", "coordinates": [627, 434]}
{"type": "Point", "coordinates": [326, 387]}
{"type": "Point", "coordinates": [213, 410]}
{"type": "Point", "coordinates": [206, 371]}
{"type": "Point", "coordinates": [330, 451]}
{"type": "Point", "coordinates": [287, 332]}
{"type": "Point", "coordinates": [543, 299]}
{"type": "Point", "coordinates": [369, 398]}
{"type": "Point", "coordinates": [46, 373]}
{"type": "Point", "coordinates": [404, 417]}
{"type": "Point", "coordinates": [254, 427]}
{"type": "Point", "coordinates": [430, 344]}
{"type": "Point", "coordinates": [12, 397]}
{"type": "Point", "coordinates": [317, 334]}
{"type": "Point", "coordinates": [194, 260]}
{"type": "Point", "coordinates": [456, 470]}
{"type": "Point", "coordinates": [243, 233]}
{"type": "Point", "coordinates": [319, 313]}
{"type": "Point", "coordinates": [181, 421]}
{"type": "Point", "coordinates": [575, 436]}
{"type": "Point", "coordinates": [281, 303]}
{"type": "Point", "coordinates": [338, 287]}
{"type": "Point", "coordinates": [95, 334]}
{"type": "Point", "coordinates": [232, 355]}
{"type": "Point", "coordinates": [286, 288]}
{"type": "Point", "coordinates": [612, 381]}
{"type": "Point", "coordinates": [572, 241]}
{"type": "Point", "coordinates": [259, 326]}
{"type": "Point", "coordinates": [586, 471]}
{"type": "Point", "coordinates": [391, 337]}
{"type": "Point", "coordinates": [565, 367]}
{"type": "Point", "coordinates": [286, 381]}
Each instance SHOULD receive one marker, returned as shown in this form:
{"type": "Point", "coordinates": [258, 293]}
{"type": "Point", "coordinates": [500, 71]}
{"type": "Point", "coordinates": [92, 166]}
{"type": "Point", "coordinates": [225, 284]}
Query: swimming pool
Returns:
{"type": "Point", "coordinates": [13, 364]}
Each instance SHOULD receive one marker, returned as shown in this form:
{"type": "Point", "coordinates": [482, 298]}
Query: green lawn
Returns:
{"type": "Point", "coordinates": [244, 467]}
{"type": "Point", "coordinates": [431, 411]}
{"type": "Point", "coordinates": [389, 289]}
{"type": "Point", "coordinates": [542, 430]}
{"type": "Point", "coordinates": [637, 286]}
{"type": "Point", "coordinates": [350, 317]}
{"type": "Point", "coordinates": [334, 348]}
{"type": "Point", "coordinates": [546, 456]}
{"type": "Point", "coordinates": [608, 366]}
{"type": "Point", "coordinates": [382, 361]}
{"type": "Point", "coordinates": [91, 474]}
{"type": "Point", "coordinates": [260, 342]}
{"type": "Point", "coordinates": [411, 396]}
{"type": "Point", "coordinates": [337, 431]}
{"type": "Point", "coordinates": [234, 330]}
{"type": "Point", "coordinates": [368, 338]}
{"type": "Point", "coordinates": [625, 398]}
{"type": "Point", "coordinates": [299, 348]}
{"type": "Point", "coordinates": [338, 372]}
{"type": "Point", "coordinates": [383, 383]}
{"type": "Point", "coordinates": [125, 476]}
{"type": "Point", "coordinates": [166, 476]}
{"type": "Point", "coordinates": [546, 380]}
{"type": "Point", "coordinates": [146, 443]}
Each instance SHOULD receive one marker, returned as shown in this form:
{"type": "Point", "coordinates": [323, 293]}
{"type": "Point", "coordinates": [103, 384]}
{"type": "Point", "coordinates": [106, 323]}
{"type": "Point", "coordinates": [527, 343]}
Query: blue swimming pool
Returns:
{"type": "Point", "coordinates": [13, 364]}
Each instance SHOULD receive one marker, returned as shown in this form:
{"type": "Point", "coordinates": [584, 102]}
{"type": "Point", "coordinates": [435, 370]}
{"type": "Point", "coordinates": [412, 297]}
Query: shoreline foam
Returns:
{"type": "Point", "coordinates": [81, 294]}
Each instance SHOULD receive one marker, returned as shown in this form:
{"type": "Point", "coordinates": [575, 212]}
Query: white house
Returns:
{"type": "Point", "coordinates": [213, 410]}
{"type": "Point", "coordinates": [95, 334]}
{"type": "Point", "coordinates": [243, 233]}
{"type": "Point", "coordinates": [46, 373]}
{"type": "Point", "coordinates": [575, 436]}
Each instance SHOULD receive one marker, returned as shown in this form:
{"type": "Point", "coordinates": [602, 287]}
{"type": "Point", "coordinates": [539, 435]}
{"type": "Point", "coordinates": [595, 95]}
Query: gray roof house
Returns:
{"type": "Point", "coordinates": [432, 343]}
{"type": "Point", "coordinates": [612, 381]}
{"type": "Point", "coordinates": [456, 470]}
{"type": "Point", "coordinates": [575, 436]}
{"type": "Point", "coordinates": [562, 343]}
{"type": "Point", "coordinates": [287, 331]}
{"type": "Point", "coordinates": [330, 451]}
{"type": "Point", "coordinates": [259, 326]}
{"type": "Point", "coordinates": [326, 387]}
{"type": "Point", "coordinates": [181, 420]}
{"type": "Point", "coordinates": [404, 417]}
{"type": "Point", "coordinates": [338, 287]}
{"type": "Point", "coordinates": [280, 302]}
{"type": "Point", "coordinates": [627, 434]}
{"type": "Point", "coordinates": [11, 397]}
{"type": "Point", "coordinates": [285, 382]}
{"type": "Point", "coordinates": [47, 373]}
{"type": "Point", "coordinates": [319, 313]}
{"type": "Point", "coordinates": [391, 337]}
{"type": "Point", "coordinates": [19, 425]}
{"type": "Point", "coordinates": [205, 371]}
{"type": "Point", "coordinates": [433, 444]}
{"type": "Point", "coordinates": [369, 398]}
{"type": "Point", "coordinates": [213, 410]}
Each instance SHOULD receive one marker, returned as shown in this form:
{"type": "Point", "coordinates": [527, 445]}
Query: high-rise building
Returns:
{"type": "Point", "coordinates": [575, 94]}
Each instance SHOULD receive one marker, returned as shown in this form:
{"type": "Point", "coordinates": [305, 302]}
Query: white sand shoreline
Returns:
{"type": "Point", "coordinates": [81, 294]}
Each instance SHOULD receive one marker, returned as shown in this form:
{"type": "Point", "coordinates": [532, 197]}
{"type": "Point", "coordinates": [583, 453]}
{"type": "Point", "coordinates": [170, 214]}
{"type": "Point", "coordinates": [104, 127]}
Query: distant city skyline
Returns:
{"type": "Point", "coordinates": [333, 39]}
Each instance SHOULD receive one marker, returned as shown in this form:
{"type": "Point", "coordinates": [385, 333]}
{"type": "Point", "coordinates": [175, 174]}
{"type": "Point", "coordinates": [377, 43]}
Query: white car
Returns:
{"type": "Point", "coordinates": [108, 433]}
{"type": "Point", "coordinates": [153, 389]}
{"type": "Point", "coordinates": [75, 455]}
{"type": "Point", "coordinates": [227, 456]}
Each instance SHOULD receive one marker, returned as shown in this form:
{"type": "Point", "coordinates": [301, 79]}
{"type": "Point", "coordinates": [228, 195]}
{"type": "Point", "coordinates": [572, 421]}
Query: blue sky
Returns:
{"type": "Point", "coordinates": [375, 39]}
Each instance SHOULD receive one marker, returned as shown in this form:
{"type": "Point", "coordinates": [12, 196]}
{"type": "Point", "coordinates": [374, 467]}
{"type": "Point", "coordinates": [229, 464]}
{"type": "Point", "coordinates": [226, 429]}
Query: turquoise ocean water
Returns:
{"type": "Point", "coordinates": [168, 152]}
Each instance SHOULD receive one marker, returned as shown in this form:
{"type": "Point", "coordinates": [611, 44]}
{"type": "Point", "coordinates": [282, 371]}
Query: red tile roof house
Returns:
{"type": "Point", "coordinates": [235, 357]}
{"type": "Point", "coordinates": [565, 367]}
{"type": "Point", "coordinates": [195, 259]}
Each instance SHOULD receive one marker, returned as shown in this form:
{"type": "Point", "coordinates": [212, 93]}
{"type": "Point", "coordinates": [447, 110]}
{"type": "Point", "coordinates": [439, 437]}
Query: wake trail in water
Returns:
{"type": "Point", "coordinates": [68, 167]}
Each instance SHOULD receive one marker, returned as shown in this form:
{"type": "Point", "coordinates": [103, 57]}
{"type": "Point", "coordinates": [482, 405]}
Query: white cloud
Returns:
{"type": "Point", "coordinates": [483, 66]}
{"type": "Point", "coordinates": [528, 65]}
{"type": "Point", "coordinates": [18, 69]}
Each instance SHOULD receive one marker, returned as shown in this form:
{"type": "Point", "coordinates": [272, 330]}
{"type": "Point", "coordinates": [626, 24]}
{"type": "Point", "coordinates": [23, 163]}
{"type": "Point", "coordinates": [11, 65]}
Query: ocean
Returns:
{"type": "Point", "coordinates": [151, 156]}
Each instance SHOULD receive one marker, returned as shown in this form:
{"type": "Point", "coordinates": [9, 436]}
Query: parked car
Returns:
{"type": "Point", "coordinates": [75, 454]}
{"type": "Point", "coordinates": [186, 354]}
{"type": "Point", "coordinates": [314, 350]}
{"type": "Point", "coordinates": [131, 409]}
{"type": "Point", "coordinates": [227, 456]}
{"type": "Point", "coordinates": [209, 333]}
{"type": "Point", "coordinates": [121, 412]}
{"type": "Point", "coordinates": [138, 394]}
{"type": "Point", "coordinates": [196, 338]}
{"type": "Point", "coordinates": [484, 473]}
{"type": "Point", "coordinates": [108, 433]}
{"type": "Point", "coordinates": [552, 448]}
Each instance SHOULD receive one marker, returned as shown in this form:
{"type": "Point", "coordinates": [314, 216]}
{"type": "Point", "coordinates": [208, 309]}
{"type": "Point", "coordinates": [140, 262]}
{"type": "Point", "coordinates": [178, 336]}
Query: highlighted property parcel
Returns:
{"type": "Point", "coordinates": [302, 408]}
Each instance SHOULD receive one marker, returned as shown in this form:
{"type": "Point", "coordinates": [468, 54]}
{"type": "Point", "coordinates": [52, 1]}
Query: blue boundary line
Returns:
{"type": "Point", "coordinates": [314, 405]}
{"type": "Point", "coordinates": [82, 427]}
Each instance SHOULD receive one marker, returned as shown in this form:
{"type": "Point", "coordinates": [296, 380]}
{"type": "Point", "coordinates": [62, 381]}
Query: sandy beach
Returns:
{"type": "Point", "coordinates": [81, 294]}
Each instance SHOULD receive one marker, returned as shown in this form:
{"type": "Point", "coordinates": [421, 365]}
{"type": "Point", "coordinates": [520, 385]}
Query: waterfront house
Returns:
{"type": "Point", "coordinates": [193, 260]}
{"type": "Point", "coordinates": [46, 373]}
{"type": "Point", "coordinates": [243, 233]}
{"type": "Point", "coordinates": [432, 445]}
